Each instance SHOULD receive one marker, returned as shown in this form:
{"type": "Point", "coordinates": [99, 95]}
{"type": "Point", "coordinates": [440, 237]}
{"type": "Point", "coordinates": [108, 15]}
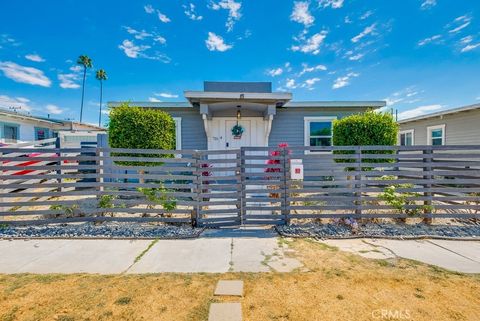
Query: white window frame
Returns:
{"type": "Point", "coordinates": [432, 128]}
{"type": "Point", "coordinates": [306, 128]}
{"type": "Point", "coordinates": [178, 132]}
{"type": "Point", "coordinates": [407, 131]}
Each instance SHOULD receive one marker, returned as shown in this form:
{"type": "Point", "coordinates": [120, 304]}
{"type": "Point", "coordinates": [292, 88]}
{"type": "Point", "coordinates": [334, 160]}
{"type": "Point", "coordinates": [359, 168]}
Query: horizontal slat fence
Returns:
{"type": "Point", "coordinates": [251, 185]}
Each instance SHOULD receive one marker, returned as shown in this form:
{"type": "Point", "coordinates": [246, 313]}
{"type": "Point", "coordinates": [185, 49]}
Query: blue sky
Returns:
{"type": "Point", "coordinates": [419, 55]}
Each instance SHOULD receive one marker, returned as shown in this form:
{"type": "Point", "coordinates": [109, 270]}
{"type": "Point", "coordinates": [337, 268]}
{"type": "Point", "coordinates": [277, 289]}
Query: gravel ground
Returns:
{"type": "Point", "coordinates": [106, 230]}
{"type": "Point", "coordinates": [380, 230]}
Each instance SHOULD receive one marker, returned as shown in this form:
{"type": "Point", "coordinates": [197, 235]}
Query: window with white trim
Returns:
{"type": "Point", "coordinates": [436, 135]}
{"type": "Point", "coordinates": [406, 137]}
{"type": "Point", "coordinates": [178, 132]}
{"type": "Point", "coordinates": [318, 131]}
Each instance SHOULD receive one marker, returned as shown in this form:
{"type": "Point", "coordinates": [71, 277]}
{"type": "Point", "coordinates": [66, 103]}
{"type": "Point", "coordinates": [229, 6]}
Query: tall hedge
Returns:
{"type": "Point", "coordinates": [367, 129]}
{"type": "Point", "coordinates": [135, 127]}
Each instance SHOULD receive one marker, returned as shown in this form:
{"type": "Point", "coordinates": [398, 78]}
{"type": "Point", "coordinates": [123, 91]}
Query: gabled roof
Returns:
{"type": "Point", "coordinates": [441, 113]}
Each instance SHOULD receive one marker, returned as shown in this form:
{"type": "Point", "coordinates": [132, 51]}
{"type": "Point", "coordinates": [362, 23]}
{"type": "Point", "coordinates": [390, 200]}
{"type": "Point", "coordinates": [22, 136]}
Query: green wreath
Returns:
{"type": "Point", "coordinates": [237, 130]}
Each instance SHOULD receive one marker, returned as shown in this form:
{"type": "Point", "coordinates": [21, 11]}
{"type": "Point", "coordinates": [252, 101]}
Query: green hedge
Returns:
{"type": "Point", "coordinates": [141, 128]}
{"type": "Point", "coordinates": [366, 129]}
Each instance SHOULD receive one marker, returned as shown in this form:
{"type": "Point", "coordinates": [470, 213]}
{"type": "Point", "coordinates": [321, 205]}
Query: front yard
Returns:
{"type": "Point", "coordinates": [334, 286]}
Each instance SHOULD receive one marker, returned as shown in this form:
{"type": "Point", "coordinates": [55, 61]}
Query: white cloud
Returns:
{"type": "Point", "coordinates": [154, 100]}
{"type": "Point", "coordinates": [344, 81]}
{"type": "Point", "coordinates": [233, 8]}
{"type": "Point", "coordinates": [470, 47]}
{"type": "Point", "coordinates": [459, 23]}
{"type": "Point", "coordinates": [467, 39]}
{"type": "Point", "coordinates": [53, 109]}
{"type": "Point", "coordinates": [162, 17]}
{"type": "Point", "coordinates": [275, 72]}
{"type": "Point", "coordinates": [26, 75]}
{"type": "Point", "coordinates": [166, 95]}
{"type": "Point", "coordinates": [404, 95]}
{"type": "Point", "coordinates": [290, 84]}
{"type": "Point", "coordinates": [68, 81]}
{"type": "Point", "coordinates": [143, 34]}
{"type": "Point", "coordinates": [17, 102]}
{"type": "Point", "coordinates": [368, 30]}
{"type": "Point", "coordinates": [132, 50]}
{"type": "Point", "coordinates": [301, 13]}
{"type": "Point", "coordinates": [149, 9]}
{"type": "Point", "coordinates": [427, 4]}
{"type": "Point", "coordinates": [34, 57]}
{"type": "Point", "coordinates": [190, 12]}
{"type": "Point", "coordinates": [76, 68]}
{"type": "Point", "coordinates": [431, 39]}
{"type": "Point", "coordinates": [216, 43]}
{"type": "Point", "coordinates": [366, 15]}
{"type": "Point", "coordinates": [418, 111]}
{"type": "Point", "coordinates": [312, 44]}
{"type": "Point", "coordinates": [309, 83]}
{"type": "Point", "coordinates": [334, 4]}
{"type": "Point", "coordinates": [356, 57]}
{"type": "Point", "coordinates": [307, 69]}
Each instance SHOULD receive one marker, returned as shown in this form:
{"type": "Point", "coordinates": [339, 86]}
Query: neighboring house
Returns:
{"type": "Point", "coordinates": [16, 127]}
{"type": "Point", "coordinates": [458, 126]}
{"type": "Point", "coordinates": [206, 119]}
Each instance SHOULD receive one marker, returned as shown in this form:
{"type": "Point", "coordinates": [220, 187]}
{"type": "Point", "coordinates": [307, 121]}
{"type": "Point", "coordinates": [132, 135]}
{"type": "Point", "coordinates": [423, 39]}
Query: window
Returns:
{"type": "Point", "coordinates": [178, 132]}
{"type": "Point", "coordinates": [406, 137]}
{"type": "Point", "coordinates": [41, 133]}
{"type": "Point", "coordinates": [436, 135]}
{"type": "Point", "coordinates": [318, 131]}
{"type": "Point", "coordinates": [10, 133]}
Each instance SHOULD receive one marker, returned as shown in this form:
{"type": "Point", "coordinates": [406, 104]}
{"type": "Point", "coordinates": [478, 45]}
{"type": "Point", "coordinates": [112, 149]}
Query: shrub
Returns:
{"type": "Point", "coordinates": [368, 129]}
{"type": "Point", "coordinates": [141, 128]}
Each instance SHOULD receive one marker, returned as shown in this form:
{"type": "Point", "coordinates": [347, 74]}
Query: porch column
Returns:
{"type": "Point", "coordinates": [206, 116]}
{"type": "Point", "coordinates": [268, 116]}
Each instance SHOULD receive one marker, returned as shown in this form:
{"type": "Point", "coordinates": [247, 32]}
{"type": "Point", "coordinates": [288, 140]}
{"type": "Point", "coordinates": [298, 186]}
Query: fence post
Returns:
{"type": "Point", "coordinates": [59, 172]}
{"type": "Point", "coordinates": [358, 178]}
{"type": "Point", "coordinates": [428, 162]}
{"type": "Point", "coordinates": [286, 171]}
{"type": "Point", "coordinates": [198, 189]}
{"type": "Point", "coordinates": [2, 183]}
{"type": "Point", "coordinates": [243, 193]}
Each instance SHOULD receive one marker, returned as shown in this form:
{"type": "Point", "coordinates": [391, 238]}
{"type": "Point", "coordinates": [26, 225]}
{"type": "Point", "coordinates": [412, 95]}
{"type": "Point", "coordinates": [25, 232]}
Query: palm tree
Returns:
{"type": "Point", "coordinates": [86, 62]}
{"type": "Point", "coordinates": [101, 75]}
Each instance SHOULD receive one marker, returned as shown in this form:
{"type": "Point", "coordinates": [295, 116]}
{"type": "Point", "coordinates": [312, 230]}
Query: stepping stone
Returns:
{"type": "Point", "coordinates": [229, 287]}
{"type": "Point", "coordinates": [225, 312]}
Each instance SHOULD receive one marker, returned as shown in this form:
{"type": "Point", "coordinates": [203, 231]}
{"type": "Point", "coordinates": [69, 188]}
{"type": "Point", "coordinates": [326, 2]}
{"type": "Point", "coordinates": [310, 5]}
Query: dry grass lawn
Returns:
{"type": "Point", "coordinates": [338, 286]}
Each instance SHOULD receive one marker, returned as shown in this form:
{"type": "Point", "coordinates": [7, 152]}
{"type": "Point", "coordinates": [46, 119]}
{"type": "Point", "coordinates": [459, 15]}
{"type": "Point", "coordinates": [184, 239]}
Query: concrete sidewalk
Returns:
{"type": "Point", "coordinates": [460, 256]}
{"type": "Point", "coordinates": [218, 251]}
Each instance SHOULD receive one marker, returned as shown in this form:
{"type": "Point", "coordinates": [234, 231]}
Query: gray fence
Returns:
{"type": "Point", "coordinates": [251, 185]}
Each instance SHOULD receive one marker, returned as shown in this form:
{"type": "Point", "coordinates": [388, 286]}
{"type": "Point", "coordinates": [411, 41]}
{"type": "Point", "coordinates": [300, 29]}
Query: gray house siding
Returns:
{"type": "Point", "coordinates": [461, 128]}
{"type": "Point", "coordinates": [288, 123]}
{"type": "Point", "coordinates": [193, 132]}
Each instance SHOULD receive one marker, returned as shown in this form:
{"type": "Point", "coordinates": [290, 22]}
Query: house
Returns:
{"type": "Point", "coordinates": [458, 126]}
{"type": "Point", "coordinates": [208, 119]}
{"type": "Point", "coordinates": [16, 127]}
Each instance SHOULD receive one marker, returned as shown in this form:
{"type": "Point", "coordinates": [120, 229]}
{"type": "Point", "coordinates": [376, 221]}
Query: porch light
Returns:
{"type": "Point", "coordinates": [239, 113]}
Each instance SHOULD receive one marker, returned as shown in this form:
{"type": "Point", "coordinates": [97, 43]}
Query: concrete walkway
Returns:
{"type": "Point", "coordinates": [460, 256]}
{"type": "Point", "coordinates": [218, 251]}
